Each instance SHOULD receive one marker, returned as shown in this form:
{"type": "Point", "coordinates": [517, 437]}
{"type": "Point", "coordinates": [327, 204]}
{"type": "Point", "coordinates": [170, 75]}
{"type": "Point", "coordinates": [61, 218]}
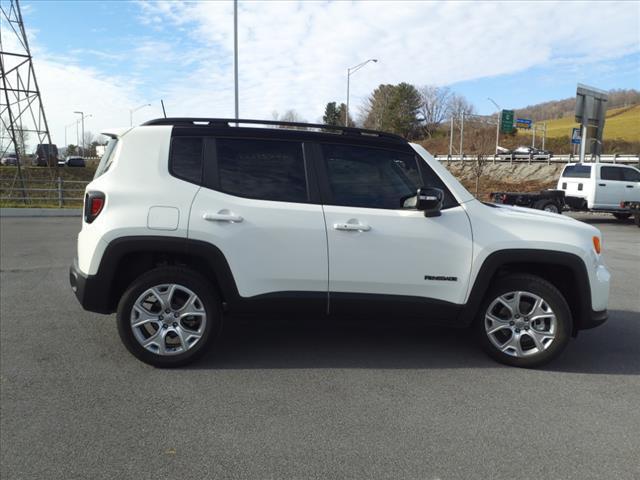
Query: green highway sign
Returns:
{"type": "Point", "coordinates": [506, 121]}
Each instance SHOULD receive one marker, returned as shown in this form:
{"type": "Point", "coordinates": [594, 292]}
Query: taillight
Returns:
{"type": "Point", "coordinates": [93, 204]}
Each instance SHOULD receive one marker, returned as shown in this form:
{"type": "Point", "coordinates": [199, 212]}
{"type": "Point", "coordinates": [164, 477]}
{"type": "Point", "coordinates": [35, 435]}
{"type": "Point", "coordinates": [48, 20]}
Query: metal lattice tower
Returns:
{"type": "Point", "coordinates": [23, 120]}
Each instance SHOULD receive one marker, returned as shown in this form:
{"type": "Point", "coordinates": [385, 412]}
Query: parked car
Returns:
{"type": "Point", "coordinates": [75, 162]}
{"type": "Point", "coordinates": [191, 222]}
{"type": "Point", "coordinates": [600, 187]}
{"type": "Point", "coordinates": [10, 160]}
{"type": "Point", "coordinates": [46, 155]}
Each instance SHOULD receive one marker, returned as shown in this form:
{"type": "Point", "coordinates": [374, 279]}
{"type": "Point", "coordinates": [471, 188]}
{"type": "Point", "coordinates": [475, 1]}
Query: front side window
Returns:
{"type": "Point", "coordinates": [186, 158]}
{"type": "Point", "coordinates": [262, 169]}
{"type": "Point", "coordinates": [611, 173]}
{"type": "Point", "coordinates": [630, 175]}
{"type": "Point", "coordinates": [369, 177]}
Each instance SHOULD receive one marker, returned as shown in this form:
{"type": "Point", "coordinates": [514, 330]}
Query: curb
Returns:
{"type": "Point", "coordinates": [40, 212]}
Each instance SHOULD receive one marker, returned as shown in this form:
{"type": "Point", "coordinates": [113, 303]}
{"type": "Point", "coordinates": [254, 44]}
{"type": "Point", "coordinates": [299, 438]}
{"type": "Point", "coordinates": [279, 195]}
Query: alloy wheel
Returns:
{"type": "Point", "coordinates": [168, 319]}
{"type": "Point", "coordinates": [520, 324]}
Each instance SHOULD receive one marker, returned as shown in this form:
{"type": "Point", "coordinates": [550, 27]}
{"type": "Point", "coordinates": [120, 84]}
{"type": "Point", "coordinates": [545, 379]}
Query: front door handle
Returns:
{"type": "Point", "coordinates": [222, 216]}
{"type": "Point", "coordinates": [602, 184]}
{"type": "Point", "coordinates": [629, 186]}
{"type": "Point", "coordinates": [352, 227]}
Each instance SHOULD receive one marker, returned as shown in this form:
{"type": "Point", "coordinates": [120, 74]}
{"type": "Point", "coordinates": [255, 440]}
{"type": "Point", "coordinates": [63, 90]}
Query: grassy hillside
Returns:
{"type": "Point", "coordinates": [621, 123]}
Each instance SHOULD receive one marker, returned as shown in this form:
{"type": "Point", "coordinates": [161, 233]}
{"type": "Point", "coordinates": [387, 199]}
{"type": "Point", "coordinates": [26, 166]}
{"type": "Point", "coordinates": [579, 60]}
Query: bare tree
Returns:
{"type": "Point", "coordinates": [435, 107]}
{"type": "Point", "coordinates": [458, 105]}
{"type": "Point", "coordinates": [22, 139]}
{"type": "Point", "coordinates": [482, 139]}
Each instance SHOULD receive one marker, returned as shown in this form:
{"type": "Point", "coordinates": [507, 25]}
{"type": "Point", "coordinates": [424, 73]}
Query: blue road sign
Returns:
{"type": "Point", "coordinates": [523, 122]}
{"type": "Point", "coordinates": [575, 136]}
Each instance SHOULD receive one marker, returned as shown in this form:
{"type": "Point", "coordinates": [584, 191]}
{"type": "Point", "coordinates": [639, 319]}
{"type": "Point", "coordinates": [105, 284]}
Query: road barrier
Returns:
{"type": "Point", "coordinates": [57, 191]}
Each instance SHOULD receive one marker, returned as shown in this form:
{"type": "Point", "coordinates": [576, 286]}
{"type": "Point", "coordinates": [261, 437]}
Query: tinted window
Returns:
{"type": "Point", "coordinates": [370, 178]}
{"type": "Point", "coordinates": [577, 171]}
{"type": "Point", "coordinates": [611, 173]}
{"type": "Point", "coordinates": [107, 158]}
{"type": "Point", "coordinates": [186, 158]}
{"type": "Point", "coordinates": [262, 169]}
{"type": "Point", "coordinates": [631, 175]}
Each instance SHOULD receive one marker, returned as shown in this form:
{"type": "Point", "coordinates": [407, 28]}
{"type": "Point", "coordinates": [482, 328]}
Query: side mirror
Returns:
{"type": "Point", "coordinates": [429, 200]}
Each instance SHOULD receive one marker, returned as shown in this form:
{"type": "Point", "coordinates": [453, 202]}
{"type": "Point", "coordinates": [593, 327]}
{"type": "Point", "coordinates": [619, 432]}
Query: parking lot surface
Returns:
{"type": "Point", "coordinates": [298, 400]}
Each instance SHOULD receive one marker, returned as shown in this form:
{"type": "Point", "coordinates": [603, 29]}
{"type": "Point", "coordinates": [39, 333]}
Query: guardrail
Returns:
{"type": "Point", "coordinates": [56, 191]}
{"type": "Point", "coordinates": [523, 158]}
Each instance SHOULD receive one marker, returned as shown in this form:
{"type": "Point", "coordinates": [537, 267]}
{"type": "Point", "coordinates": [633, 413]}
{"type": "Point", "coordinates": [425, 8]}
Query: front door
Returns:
{"type": "Point", "coordinates": [380, 254]}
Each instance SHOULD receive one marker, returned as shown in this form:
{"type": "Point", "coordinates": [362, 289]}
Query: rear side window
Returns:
{"type": "Point", "coordinates": [630, 175]}
{"type": "Point", "coordinates": [107, 158]}
{"type": "Point", "coordinates": [611, 173]}
{"type": "Point", "coordinates": [370, 178]}
{"type": "Point", "coordinates": [577, 171]}
{"type": "Point", "coordinates": [186, 158]}
{"type": "Point", "coordinates": [262, 169]}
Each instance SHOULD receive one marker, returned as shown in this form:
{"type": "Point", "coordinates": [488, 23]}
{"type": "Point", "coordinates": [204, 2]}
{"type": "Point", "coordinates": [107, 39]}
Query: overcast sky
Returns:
{"type": "Point", "coordinates": [107, 57]}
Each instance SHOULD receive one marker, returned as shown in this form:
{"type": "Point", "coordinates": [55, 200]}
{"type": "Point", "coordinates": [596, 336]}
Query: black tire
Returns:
{"type": "Point", "coordinates": [622, 216]}
{"type": "Point", "coordinates": [170, 275]}
{"type": "Point", "coordinates": [637, 219]}
{"type": "Point", "coordinates": [551, 296]}
{"type": "Point", "coordinates": [547, 205]}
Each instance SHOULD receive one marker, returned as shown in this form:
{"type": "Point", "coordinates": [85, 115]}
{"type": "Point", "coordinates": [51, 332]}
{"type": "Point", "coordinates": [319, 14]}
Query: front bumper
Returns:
{"type": "Point", "coordinates": [88, 289]}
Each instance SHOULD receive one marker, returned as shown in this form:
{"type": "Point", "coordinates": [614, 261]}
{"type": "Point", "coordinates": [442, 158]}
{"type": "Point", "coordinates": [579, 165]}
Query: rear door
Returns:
{"type": "Point", "coordinates": [383, 257]}
{"type": "Point", "coordinates": [256, 208]}
{"type": "Point", "coordinates": [610, 187]}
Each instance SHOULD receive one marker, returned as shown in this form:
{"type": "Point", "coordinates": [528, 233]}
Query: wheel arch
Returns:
{"type": "Point", "coordinates": [125, 259]}
{"type": "Point", "coordinates": [566, 271]}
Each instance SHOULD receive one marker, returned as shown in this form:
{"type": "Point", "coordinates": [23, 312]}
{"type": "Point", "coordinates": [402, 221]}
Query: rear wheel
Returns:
{"type": "Point", "coordinates": [622, 216]}
{"type": "Point", "coordinates": [547, 206]}
{"type": "Point", "coordinates": [169, 316]}
{"type": "Point", "coordinates": [524, 321]}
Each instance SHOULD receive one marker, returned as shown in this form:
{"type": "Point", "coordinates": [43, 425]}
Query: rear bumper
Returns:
{"type": "Point", "coordinates": [88, 289]}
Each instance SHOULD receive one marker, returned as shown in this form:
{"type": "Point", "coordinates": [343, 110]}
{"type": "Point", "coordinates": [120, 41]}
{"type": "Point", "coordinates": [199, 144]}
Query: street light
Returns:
{"type": "Point", "coordinates": [351, 71]}
{"type": "Point", "coordinates": [83, 116]}
{"type": "Point", "coordinates": [499, 121]}
{"type": "Point", "coordinates": [132, 111]}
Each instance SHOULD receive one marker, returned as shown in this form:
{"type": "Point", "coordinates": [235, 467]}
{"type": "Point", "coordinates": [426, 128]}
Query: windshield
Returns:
{"type": "Point", "coordinates": [105, 161]}
{"type": "Point", "coordinates": [577, 171]}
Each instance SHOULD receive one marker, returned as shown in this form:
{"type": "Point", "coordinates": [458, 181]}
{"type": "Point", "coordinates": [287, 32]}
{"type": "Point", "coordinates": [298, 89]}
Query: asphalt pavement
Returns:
{"type": "Point", "coordinates": [298, 400]}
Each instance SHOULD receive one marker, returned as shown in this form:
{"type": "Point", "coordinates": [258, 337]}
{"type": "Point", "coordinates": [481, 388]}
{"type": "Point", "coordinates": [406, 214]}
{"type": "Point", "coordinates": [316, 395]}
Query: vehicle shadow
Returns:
{"type": "Point", "coordinates": [604, 220]}
{"type": "Point", "coordinates": [612, 348]}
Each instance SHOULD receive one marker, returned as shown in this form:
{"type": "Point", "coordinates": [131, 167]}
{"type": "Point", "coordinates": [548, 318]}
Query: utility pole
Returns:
{"type": "Point", "coordinates": [499, 122]}
{"type": "Point", "coordinates": [235, 56]}
{"type": "Point", "coordinates": [451, 138]}
{"type": "Point", "coordinates": [461, 134]}
{"type": "Point", "coordinates": [82, 117]}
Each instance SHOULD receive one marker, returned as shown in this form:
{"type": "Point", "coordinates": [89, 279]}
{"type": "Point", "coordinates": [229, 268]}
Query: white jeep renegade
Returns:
{"type": "Point", "coordinates": [191, 221]}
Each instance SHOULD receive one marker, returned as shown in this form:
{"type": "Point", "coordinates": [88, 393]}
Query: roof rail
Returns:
{"type": "Point", "coordinates": [229, 122]}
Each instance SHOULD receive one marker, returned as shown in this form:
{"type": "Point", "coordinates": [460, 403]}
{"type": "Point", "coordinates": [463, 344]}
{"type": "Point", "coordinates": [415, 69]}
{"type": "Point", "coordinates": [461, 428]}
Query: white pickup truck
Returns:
{"type": "Point", "coordinates": [600, 187]}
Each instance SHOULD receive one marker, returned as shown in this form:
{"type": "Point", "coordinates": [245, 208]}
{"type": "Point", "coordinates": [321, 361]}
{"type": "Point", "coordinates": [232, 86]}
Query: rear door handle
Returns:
{"type": "Point", "coordinates": [222, 216]}
{"type": "Point", "coordinates": [352, 227]}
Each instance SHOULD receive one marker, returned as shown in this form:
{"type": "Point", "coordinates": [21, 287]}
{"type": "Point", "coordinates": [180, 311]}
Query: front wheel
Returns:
{"type": "Point", "coordinates": [524, 321]}
{"type": "Point", "coordinates": [169, 316]}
